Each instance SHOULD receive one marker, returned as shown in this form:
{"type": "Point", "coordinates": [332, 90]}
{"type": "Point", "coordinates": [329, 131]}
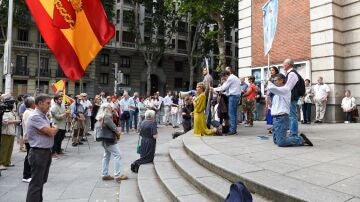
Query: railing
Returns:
{"type": "Point", "coordinates": [128, 44]}
{"type": "Point", "coordinates": [23, 44]}
{"type": "Point", "coordinates": [183, 51]}
{"type": "Point", "coordinates": [45, 72]}
{"type": "Point", "coordinates": [60, 73]}
{"type": "Point", "coordinates": [21, 72]}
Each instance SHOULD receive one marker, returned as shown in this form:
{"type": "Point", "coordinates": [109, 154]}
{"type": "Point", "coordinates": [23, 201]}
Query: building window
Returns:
{"type": "Point", "coordinates": [117, 16]}
{"type": "Point", "coordinates": [21, 65]}
{"type": "Point", "coordinates": [178, 83]}
{"type": "Point", "coordinates": [128, 18]}
{"type": "Point", "coordinates": [128, 37]}
{"type": "Point", "coordinates": [125, 61]}
{"type": "Point", "coordinates": [182, 26]}
{"type": "Point", "coordinates": [117, 35]}
{"type": "Point", "coordinates": [181, 44]}
{"type": "Point", "coordinates": [104, 78]}
{"type": "Point", "coordinates": [44, 67]}
{"type": "Point", "coordinates": [178, 66]}
{"type": "Point", "coordinates": [105, 59]}
{"type": "Point", "coordinates": [126, 80]}
{"type": "Point", "coordinates": [228, 51]}
{"type": "Point", "coordinates": [5, 34]}
{"type": "Point", "coordinates": [23, 35]}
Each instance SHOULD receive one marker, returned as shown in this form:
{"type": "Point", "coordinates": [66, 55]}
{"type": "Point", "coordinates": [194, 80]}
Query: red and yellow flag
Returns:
{"type": "Point", "coordinates": [74, 30]}
{"type": "Point", "coordinates": [58, 86]}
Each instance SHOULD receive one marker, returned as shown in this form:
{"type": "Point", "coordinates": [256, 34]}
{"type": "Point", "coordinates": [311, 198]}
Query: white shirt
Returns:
{"type": "Point", "coordinates": [231, 86]}
{"type": "Point", "coordinates": [321, 91]}
{"type": "Point", "coordinates": [167, 100]}
{"type": "Point", "coordinates": [87, 106]}
{"type": "Point", "coordinates": [292, 79]}
{"type": "Point", "coordinates": [133, 103]}
{"type": "Point", "coordinates": [282, 99]}
{"type": "Point", "coordinates": [348, 103]}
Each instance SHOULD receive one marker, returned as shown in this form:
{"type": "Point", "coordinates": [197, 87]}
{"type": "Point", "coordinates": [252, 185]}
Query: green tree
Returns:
{"type": "Point", "coordinates": [109, 8]}
{"type": "Point", "coordinates": [159, 25]}
{"type": "Point", "coordinates": [222, 12]}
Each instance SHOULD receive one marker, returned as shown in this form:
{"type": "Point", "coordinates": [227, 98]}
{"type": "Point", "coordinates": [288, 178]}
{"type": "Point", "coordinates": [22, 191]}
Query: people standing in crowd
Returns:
{"type": "Point", "coordinates": [106, 127]}
{"type": "Point", "coordinates": [41, 139]}
{"type": "Point", "coordinates": [293, 83]}
{"type": "Point", "coordinates": [249, 101]}
{"type": "Point", "coordinates": [19, 128]}
{"type": "Point", "coordinates": [348, 105]}
{"type": "Point", "coordinates": [87, 112]}
{"type": "Point", "coordinates": [186, 113]}
{"type": "Point", "coordinates": [158, 106]}
{"type": "Point", "coordinates": [308, 101]}
{"type": "Point", "coordinates": [257, 103]}
{"type": "Point", "coordinates": [134, 110]}
{"type": "Point", "coordinates": [200, 128]}
{"type": "Point", "coordinates": [148, 134]}
{"type": "Point", "coordinates": [174, 110]}
{"type": "Point", "coordinates": [322, 92]}
{"type": "Point", "coordinates": [181, 106]}
{"type": "Point", "coordinates": [125, 112]}
{"type": "Point", "coordinates": [243, 86]}
{"type": "Point", "coordinates": [78, 119]}
{"type": "Point", "coordinates": [142, 110]}
{"type": "Point", "coordinates": [59, 116]}
{"type": "Point", "coordinates": [95, 108]}
{"type": "Point", "coordinates": [268, 99]}
{"type": "Point", "coordinates": [103, 97]}
{"type": "Point", "coordinates": [280, 110]}
{"type": "Point", "coordinates": [30, 107]}
{"type": "Point", "coordinates": [8, 133]}
{"type": "Point", "coordinates": [167, 107]}
{"type": "Point", "coordinates": [231, 86]}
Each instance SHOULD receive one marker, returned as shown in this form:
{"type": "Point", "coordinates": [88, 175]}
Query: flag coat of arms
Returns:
{"type": "Point", "coordinates": [270, 13]}
{"type": "Point", "coordinates": [74, 30]}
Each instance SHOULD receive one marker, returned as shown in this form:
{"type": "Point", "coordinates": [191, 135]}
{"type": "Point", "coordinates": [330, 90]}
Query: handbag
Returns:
{"type": "Point", "coordinates": [138, 145]}
{"type": "Point", "coordinates": [355, 113]}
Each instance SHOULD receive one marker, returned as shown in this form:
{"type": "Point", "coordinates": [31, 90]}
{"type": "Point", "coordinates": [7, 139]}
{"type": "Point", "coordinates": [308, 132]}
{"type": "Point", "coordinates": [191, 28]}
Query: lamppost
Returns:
{"type": "Point", "coordinates": [7, 50]}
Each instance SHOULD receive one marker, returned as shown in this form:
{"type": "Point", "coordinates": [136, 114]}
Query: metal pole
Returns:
{"type": "Point", "coordinates": [39, 61]}
{"type": "Point", "coordinates": [7, 50]}
{"type": "Point", "coordinates": [115, 78]}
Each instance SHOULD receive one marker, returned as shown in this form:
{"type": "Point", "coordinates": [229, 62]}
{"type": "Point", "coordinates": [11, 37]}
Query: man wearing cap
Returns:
{"type": "Point", "coordinates": [87, 112]}
{"type": "Point", "coordinates": [77, 113]}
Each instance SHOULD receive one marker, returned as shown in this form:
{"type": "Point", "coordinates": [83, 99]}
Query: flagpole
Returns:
{"type": "Point", "coordinates": [7, 50]}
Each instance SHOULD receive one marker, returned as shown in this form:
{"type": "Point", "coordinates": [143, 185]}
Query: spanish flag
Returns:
{"type": "Point", "coordinates": [74, 30]}
{"type": "Point", "coordinates": [58, 86]}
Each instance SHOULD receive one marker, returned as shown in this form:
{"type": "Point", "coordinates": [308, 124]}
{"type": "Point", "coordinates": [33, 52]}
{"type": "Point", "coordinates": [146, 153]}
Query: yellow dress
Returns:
{"type": "Point", "coordinates": [200, 128]}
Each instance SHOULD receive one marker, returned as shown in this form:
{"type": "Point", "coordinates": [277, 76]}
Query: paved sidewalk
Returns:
{"type": "Point", "coordinates": [76, 176]}
{"type": "Point", "coordinates": [332, 164]}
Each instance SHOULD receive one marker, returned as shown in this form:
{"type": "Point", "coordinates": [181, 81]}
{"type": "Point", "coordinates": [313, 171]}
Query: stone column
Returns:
{"type": "Point", "coordinates": [244, 33]}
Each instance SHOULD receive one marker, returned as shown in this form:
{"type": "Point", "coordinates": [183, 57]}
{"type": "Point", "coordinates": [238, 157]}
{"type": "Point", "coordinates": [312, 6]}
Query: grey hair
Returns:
{"type": "Point", "coordinates": [150, 114]}
{"type": "Point", "coordinates": [29, 102]}
{"type": "Point", "coordinates": [289, 62]}
{"type": "Point", "coordinates": [102, 112]}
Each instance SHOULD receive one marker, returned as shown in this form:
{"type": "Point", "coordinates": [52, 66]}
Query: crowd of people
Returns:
{"type": "Point", "coordinates": [40, 123]}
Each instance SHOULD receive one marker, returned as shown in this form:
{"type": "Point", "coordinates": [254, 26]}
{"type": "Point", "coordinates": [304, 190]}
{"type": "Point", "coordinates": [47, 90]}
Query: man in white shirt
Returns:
{"type": "Point", "coordinates": [134, 111]}
{"type": "Point", "coordinates": [321, 91]}
{"type": "Point", "coordinates": [167, 106]}
{"type": "Point", "coordinates": [87, 113]}
{"type": "Point", "coordinates": [232, 89]}
{"type": "Point", "coordinates": [280, 110]}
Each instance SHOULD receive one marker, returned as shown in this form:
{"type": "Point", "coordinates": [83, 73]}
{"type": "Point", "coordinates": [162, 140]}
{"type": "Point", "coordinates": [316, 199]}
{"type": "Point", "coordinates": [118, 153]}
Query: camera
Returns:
{"type": "Point", "coordinates": [7, 105]}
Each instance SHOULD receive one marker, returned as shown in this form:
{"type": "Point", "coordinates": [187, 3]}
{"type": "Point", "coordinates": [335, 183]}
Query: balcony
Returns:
{"type": "Point", "coordinates": [128, 44]}
{"type": "Point", "coordinates": [21, 72]}
{"type": "Point", "coordinates": [45, 72]}
{"type": "Point", "coordinates": [60, 73]}
{"type": "Point", "coordinates": [183, 51]}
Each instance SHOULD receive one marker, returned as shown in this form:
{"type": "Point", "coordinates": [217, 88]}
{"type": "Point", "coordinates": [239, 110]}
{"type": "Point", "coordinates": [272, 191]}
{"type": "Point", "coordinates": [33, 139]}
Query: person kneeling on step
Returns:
{"type": "Point", "coordinates": [280, 112]}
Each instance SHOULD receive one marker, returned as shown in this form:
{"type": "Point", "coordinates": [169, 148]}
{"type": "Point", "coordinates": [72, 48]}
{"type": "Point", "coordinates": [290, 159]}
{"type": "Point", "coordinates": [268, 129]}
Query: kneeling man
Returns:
{"type": "Point", "coordinates": [280, 112]}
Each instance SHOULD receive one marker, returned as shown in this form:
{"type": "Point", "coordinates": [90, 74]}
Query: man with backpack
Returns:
{"type": "Point", "coordinates": [297, 86]}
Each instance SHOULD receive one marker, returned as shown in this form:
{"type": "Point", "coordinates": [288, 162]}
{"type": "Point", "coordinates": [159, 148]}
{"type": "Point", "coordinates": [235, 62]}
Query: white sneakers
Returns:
{"type": "Point", "coordinates": [346, 122]}
{"type": "Point", "coordinates": [2, 167]}
{"type": "Point", "coordinates": [26, 180]}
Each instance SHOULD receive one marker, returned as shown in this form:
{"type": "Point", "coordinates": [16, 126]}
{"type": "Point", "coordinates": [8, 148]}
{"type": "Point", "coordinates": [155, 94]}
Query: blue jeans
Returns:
{"type": "Point", "coordinates": [232, 112]}
{"type": "Point", "coordinates": [133, 118]}
{"type": "Point", "coordinates": [111, 149]}
{"type": "Point", "coordinates": [280, 126]}
{"type": "Point", "coordinates": [125, 123]}
{"type": "Point", "coordinates": [293, 119]}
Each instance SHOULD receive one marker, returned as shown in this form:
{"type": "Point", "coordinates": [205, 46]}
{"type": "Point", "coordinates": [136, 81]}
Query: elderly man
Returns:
{"type": "Point", "coordinates": [321, 91]}
{"type": "Point", "coordinates": [232, 89]}
{"type": "Point", "coordinates": [293, 83]}
{"type": "Point", "coordinates": [87, 112]}
{"type": "Point", "coordinates": [41, 139]}
{"type": "Point", "coordinates": [134, 111]}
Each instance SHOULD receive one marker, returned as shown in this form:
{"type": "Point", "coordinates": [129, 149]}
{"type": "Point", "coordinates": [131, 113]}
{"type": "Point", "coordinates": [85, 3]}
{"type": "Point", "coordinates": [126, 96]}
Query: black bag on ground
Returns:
{"type": "Point", "coordinates": [238, 193]}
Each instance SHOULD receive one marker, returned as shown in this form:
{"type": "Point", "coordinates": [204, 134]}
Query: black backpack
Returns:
{"type": "Point", "coordinates": [299, 88]}
{"type": "Point", "coordinates": [238, 193]}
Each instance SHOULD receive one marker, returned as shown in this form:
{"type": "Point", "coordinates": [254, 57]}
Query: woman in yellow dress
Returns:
{"type": "Point", "coordinates": [200, 128]}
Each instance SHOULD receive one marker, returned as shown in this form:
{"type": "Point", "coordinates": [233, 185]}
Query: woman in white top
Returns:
{"type": "Point", "coordinates": [348, 105]}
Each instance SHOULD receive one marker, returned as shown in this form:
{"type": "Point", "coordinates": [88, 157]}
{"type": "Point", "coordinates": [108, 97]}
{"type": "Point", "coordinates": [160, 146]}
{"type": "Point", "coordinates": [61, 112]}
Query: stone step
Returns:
{"type": "Point", "coordinates": [179, 188]}
{"type": "Point", "coordinates": [129, 191]}
{"type": "Point", "coordinates": [214, 186]}
{"type": "Point", "coordinates": [150, 187]}
{"type": "Point", "coordinates": [266, 183]}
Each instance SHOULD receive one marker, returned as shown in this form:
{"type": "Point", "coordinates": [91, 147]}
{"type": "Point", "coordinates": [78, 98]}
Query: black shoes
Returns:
{"type": "Point", "coordinates": [306, 140]}
{"type": "Point", "coordinates": [317, 121]}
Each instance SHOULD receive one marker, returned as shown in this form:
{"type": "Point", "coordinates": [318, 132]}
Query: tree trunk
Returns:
{"type": "Point", "coordinates": [191, 49]}
{"type": "Point", "coordinates": [221, 39]}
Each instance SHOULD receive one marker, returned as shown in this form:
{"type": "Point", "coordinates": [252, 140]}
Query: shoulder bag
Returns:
{"type": "Point", "coordinates": [103, 133]}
